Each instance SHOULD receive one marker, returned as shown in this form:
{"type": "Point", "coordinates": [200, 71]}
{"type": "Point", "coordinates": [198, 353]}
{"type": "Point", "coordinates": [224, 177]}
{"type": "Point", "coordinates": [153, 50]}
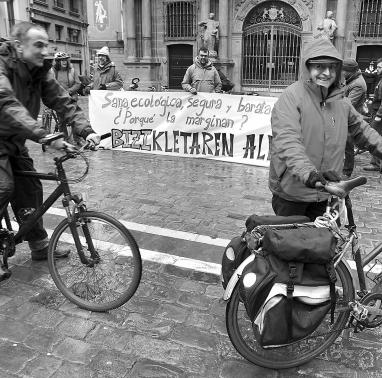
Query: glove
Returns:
{"type": "Point", "coordinates": [313, 178]}
{"type": "Point", "coordinates": [102, 87]}
{"type": "Point", "coordinates": [193, 91]}
{"type": "Point", "coordinates": [86, 90]}
{"type": "Point", "coordinates": [93, 139]}
{"type": "Point", "coordinates": [331, 176]}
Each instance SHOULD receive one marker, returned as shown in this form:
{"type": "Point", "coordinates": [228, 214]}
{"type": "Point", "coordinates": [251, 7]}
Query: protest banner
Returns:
{"type": "Point", "coordinates": [233, 128]}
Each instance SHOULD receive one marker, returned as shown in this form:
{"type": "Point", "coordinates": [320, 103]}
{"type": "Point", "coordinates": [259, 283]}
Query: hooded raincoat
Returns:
{"type": "Point", "coordinates": [21, 91]}
{"type": "Point", "coordinates": [202, 78]}
{"type": "Point", "coordinates": [310, 131]}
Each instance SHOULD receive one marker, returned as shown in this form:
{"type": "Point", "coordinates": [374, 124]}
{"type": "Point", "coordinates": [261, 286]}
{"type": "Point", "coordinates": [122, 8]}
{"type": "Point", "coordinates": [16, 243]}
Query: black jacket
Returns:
{"type": "Point", "coordinates": [21, 91]}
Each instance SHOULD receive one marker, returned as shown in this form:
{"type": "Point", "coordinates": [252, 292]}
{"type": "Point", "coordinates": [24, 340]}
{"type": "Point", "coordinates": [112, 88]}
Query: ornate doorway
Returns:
{"type": "Point", "coordinates": [180, 58]}
{"type": "Point", "coordinates": [271, 46]}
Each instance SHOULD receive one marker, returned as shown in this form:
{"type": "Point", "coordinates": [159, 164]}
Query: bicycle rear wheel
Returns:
{"type": "Point", "coordinates": [243, 338]}
{"type": "Point", "coordinates": [114, 277]}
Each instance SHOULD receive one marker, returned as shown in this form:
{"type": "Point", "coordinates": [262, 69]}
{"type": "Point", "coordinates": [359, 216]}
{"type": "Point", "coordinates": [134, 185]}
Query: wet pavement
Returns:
{"type": "Point", "coordinates": [174, 326]}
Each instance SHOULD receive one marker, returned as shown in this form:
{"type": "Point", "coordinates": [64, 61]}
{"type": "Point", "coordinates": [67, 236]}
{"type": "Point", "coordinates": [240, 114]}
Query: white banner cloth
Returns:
{"type": "Point", "coordinates": [226, 127]}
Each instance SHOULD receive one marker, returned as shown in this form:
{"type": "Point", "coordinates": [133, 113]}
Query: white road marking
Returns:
{"type": "Point", "coordinates": [183, 262]}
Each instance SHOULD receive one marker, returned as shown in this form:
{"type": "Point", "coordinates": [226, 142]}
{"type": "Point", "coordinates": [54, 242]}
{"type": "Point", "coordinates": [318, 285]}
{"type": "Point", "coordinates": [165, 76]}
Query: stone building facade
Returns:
{"type": "Point", "coordinates": [258, 44]}
{"type": "Point", "coordinates": [64, 20]}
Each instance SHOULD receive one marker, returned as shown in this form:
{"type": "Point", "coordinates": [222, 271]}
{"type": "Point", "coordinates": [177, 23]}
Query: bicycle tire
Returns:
{"type": "Point", "coordinates": [112, 281]}
{"type": "Point", "coordinates": [243, 338]}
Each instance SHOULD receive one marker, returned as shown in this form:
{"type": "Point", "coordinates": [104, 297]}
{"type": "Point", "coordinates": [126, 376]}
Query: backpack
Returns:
{"type": "Point", "coordinates": [289, 287]}
{"type": "Point", "coordinates": [240, 247]}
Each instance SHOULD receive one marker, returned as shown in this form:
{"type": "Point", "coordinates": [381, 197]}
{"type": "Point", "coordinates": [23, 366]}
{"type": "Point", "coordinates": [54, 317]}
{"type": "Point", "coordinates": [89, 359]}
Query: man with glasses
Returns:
{"type": "Point", "coordinates": [376, 110]}
{"type": "Point", "coordinates": [202, 76]}
{"type": "Point", "coordinates": [310, 123]}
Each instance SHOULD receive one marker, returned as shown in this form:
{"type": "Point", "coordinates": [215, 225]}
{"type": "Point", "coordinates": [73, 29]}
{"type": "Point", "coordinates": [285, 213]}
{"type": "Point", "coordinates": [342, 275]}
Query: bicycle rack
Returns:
{"type": "Point", "coordinates": [376, 278]}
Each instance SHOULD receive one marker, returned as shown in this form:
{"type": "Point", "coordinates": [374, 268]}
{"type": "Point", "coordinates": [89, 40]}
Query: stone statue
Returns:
{"type": "Point", "coordinates": [210, 35]}
{"type": "Point", "coordinates": [329, 25]}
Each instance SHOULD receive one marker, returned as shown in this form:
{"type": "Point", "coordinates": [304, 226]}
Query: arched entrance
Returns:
{"type": "Point", "coordinates": [367, 53]}
{"type": "Point", "coordinates": [271, 46]}
{"type": "Point", "coordinates": [179, 58]}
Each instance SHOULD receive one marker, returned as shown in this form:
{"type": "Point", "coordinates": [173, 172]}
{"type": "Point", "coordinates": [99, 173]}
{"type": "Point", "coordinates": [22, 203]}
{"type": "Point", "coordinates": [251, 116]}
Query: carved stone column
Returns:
{"type": "Point", "coordinates": [146, 28]}
{"type": "Point", "coordinates": [129, 27]}
{"type": "Point", "coordinates": [341, 15]}
{"type": "Point", "coordinates": [223, 30]}
{"type": "Point", "coordinates": [320, 13]}
{"type": "Point", "coordinates": [204, 9]}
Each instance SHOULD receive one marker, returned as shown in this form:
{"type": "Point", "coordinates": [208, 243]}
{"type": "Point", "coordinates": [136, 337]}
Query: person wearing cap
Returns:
{"type": "Point", "coordinates": [355, 90]}
{"type": "Point", "coordinates": [106, 77]}
{"type": "Point", "coordinates": [310, 123]}
{"type": "Point", "coordinates": [376, 112]}
{"type": "Point", "coordinates": [26, 79]}
{"type": "Point", "coordinates": [65, 73]}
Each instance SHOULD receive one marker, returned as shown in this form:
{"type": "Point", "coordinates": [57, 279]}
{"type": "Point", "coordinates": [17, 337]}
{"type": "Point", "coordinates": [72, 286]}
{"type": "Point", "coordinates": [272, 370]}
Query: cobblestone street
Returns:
{"type": "Point", "coordinates": [174, 325]}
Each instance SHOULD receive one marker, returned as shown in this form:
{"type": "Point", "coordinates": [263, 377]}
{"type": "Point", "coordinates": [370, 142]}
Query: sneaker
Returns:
{"type": "Point", "coordinates": [371, 168]}
{"type": "Point", "coordinates": [59, 253]}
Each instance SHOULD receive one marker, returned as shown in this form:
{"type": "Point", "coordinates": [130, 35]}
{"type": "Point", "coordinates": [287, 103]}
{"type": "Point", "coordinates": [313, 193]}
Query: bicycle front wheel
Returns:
{"type": "Point", "coordinates": [116, 272]}
{"type": "Point", "coordinates": [243, 338]}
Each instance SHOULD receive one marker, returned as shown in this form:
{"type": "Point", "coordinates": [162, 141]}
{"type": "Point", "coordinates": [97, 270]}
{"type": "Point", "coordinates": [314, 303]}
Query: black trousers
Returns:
{"type": "Point", "coordinates": [349, 156]}
{"type": "Point", "coordinates": [310, 209]}
{"type": "Point", "coordinates": [21, 192]}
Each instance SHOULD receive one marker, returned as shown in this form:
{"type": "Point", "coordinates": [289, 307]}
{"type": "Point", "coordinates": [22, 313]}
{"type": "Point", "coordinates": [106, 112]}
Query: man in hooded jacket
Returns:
{"type": "Point", "coordinates": [310, 123]}
{"type": "Point", "coordinates": [106, 77]}
{"type": "Point", "coordinates": [202, 76]}
{"type": "Point", "coordinates": [26, 79]}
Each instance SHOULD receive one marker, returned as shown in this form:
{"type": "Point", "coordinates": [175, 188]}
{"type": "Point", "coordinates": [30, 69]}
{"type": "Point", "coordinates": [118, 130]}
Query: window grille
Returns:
{"type": "Point", "coordinates": [180, 19]}
{"type": "Point", "coordinates": [370, 21]}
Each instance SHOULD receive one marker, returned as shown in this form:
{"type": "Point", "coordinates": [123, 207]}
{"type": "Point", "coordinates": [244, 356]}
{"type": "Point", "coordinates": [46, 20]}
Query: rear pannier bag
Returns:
{"type": "Point", "coordinates": [234, 254]}
{"type": "Point", "coordinates": [289, 288]}
{"type": "Point", "coordinates": [238, 249]}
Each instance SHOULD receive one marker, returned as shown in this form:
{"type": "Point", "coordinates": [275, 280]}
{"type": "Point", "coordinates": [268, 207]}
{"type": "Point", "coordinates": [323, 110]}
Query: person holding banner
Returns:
{"type": "Point", "coordinates": [106, 77]}
{"type": "Point", "coordinates": [202, 76]}
{"type": "Point", "coordinates": [26, 78]}
{"type": "Point", "coordinates": [310, 124]}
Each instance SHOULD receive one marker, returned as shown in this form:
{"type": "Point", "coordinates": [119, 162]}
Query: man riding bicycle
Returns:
{"type": "Point", "coordinates": [310, 123]}
{"type": "Point", "coordinates": [26, 78]}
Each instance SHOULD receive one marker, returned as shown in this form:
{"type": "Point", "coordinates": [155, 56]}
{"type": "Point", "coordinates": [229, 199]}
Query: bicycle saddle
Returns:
{"type": "Point", "coordinates": [342, 188]}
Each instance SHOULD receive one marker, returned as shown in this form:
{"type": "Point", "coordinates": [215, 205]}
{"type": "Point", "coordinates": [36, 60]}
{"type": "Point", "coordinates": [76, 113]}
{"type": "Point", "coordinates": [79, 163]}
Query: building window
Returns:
{"type": "Point", "coordinates": [370, 21]}
{"type": "Point", "coordinates": [180, 19]}
{"type": "Point", "coordinates": [59, 3]}
{"type": "Point", "coordinates": [59, 29]}
{"type": "Point", "coordinates": [73, 35]}
{"type": "Point", "coordinates": [73, 6]}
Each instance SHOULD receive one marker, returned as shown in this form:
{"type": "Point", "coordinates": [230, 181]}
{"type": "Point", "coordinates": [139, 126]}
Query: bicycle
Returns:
{"type": "Point", "coordinates": [104, 267]}
{"type": "Point", "coordinates": [48, 117]}
{"type": "Point", "coordinates": [357, 311]}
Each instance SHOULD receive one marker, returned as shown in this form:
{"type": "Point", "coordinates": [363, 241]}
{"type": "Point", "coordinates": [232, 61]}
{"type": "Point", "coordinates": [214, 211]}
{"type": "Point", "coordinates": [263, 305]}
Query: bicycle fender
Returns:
{"type": "Point", "coordinates": [235, 277]}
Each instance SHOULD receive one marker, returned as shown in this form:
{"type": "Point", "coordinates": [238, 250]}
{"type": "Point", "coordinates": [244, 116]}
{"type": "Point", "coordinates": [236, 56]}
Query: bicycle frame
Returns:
{"type": "Point", "coordinates": [62, 189]}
